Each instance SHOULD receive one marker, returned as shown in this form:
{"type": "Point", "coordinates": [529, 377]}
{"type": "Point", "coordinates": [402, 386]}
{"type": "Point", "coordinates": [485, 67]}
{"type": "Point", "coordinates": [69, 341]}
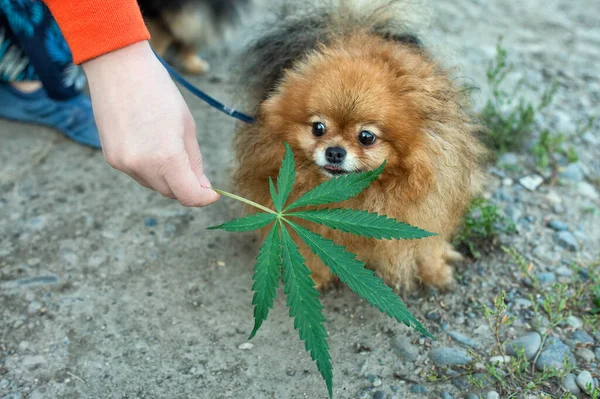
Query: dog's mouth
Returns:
{"type": "Point", "coordinates": [334, 170]}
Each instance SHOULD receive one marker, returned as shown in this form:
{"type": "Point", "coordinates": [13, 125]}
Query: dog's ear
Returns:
{"type": "Point", "coordinates": [404, 38]}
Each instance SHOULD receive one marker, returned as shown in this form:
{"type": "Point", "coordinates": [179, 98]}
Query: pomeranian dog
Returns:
{"type": "Point", "coordinates": [348, 86]}
{"type": "Point", "coordinates": [188, 25]}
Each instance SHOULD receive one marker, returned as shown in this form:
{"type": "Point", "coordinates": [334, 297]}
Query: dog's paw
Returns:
{"type": "Point", "coordinates": [195, 65]}
{"type": "Point", "coordinates": [438, 273]}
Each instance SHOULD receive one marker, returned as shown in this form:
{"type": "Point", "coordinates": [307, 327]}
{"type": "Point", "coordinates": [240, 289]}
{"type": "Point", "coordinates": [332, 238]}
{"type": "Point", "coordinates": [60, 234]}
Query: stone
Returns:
{"type": "Point", "coordinates": [37, 223]}
{"type": "Point", "coordinates": [12, 395]}
{"type": "Point", "coordinates": [522, 303]}
{"type": "Point", "coordinates": [433, 316]}
{"type": "Point", "coordinates": [461, 383]}
{"type": "Point", "coordinates": [450, 356]}
{"type": "Point", "coordinates": [418, 389]}
{"type": "Point", "coordinates": [531, 182]}
{"type": "Point", "coordinates": [446, 395]}
{"type": "Point", "coordinates": [150, 222]}
{"type": "Point", "coordinates": [546, 278]}
{"type": "Point", "coordinates": [597, 352]}
{"type": "Point", "coordinates": [463, 339]}
{"type": "Point", "coordinates": [574, 322]}
{"type": "Point", "coordinates": [508, 159]}
{"type": "Point", "coordinates": [493, 395]}
{"type": "Point", "coordinates": [585, 354]}
{"type": "Point", "coordinates": [569, 383]}
{"type": "Point", "coordinates": [404, 349]}
{"type": "Point", "coordinates": [564, 271]}
{"type": "Point", "coordinates": [585, 382]}
{"type": "Point", "coordinates": [472, 396]}
{"type": "Point", "coordinates": [573, 173]}
{"type": "Point", "coordinates": [567, 240]}
{"type": "Point", "coordinates": [553, 356]}
{"type": "Point", "coordinates": [33, 362]}
{"type": "Point", "coordinates": [591, 139]}
{"type": "Point", "coordinates": [379, 395]}
{"type": "Point", "coordinates": [377, 382]}
{"type": "Point", "coordinates": [499, 360]}
{"type": "Point", "coordinates": [246, 346]}
{"type": "Point", "coordinates": [530, 343]}
{"type": "Point", "coordinates": [587, 190]}
{"type": "Point", "coordinates": [34, 307]}
{"type": "Point", "coordinates": [582, 337]}
{"type": "Point", "coordinates": [483, 379]}
{"type": "Point", "coordinates": [557, 225]}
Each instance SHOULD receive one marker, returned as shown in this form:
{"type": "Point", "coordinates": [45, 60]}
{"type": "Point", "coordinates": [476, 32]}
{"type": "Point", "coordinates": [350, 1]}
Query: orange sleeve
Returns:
{"type": "Point", "coordinates": [96, 27]}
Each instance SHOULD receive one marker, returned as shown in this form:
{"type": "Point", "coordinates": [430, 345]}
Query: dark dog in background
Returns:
{"type": "Point", "coordinates": [188, 25]}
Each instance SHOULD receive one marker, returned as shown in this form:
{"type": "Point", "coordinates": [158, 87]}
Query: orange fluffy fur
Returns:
{"type": "Point", "coordinates": [362, 80]}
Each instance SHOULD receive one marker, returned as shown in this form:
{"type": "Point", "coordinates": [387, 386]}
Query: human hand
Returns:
{"type": "Point", "coordinates": [146, 128]}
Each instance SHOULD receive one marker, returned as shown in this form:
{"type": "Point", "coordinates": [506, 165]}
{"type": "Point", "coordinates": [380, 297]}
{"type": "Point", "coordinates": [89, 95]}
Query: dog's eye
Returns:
{"type": "Point", "coordinates": [366, 138]}
{"type": "Point", "coordinates": [318, 129]}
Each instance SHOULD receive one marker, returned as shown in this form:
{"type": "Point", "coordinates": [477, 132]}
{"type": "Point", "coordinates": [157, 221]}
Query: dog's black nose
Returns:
{"type": "Point", "coordinates": [335, 154]}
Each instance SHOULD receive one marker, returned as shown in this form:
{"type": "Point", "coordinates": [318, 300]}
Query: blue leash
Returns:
{"type": "Point", "coordinates": [203, 96]}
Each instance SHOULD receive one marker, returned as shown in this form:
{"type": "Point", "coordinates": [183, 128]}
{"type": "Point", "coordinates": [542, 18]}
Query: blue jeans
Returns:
{"type": "Point", "coordinates": [33, 48]}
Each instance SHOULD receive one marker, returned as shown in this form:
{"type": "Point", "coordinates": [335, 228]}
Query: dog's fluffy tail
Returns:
{"type": "Point", "coordinates": [297, 27]}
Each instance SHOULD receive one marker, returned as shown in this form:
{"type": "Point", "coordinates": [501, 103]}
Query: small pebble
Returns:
{"type": "Point", "coordinates": [531, 182]}
{"type": "Point", "coordinates": [379, 395]}
{"type": "Point", "coordinates": [418, 389]}
{"type": "Point", "coordinates": [433, 316]}
{"type": "Point", "coordinates": [493, 395]}
{"type": "Point", "coordinates": [567, 240]}
{"type": "Point", "coordinates": [546, 278]}
{"type": "Point", "coordinates": [530, 343]}
{"type": "Point", "coordinates": [246, 346]}
{"type": "Point", "coordinates": [557, 225]}
{"type": "Point", "coordinates": [591, 139]}
{"type": "Point", "coordinates": [585, 354]}
{"type": "Point", "coordinates": [150, 222]}
{"type": "Point", "coordinates": [585, 380]}
{"type": "Point", "coordinates": [404, 349]}
{"type": "Point", "coordinates": [450, 356]}
{"type": "Point", "coordinates": [461, 383]}
{"type": "Point", "coordinates": [564, 271]}
{"type": "Point", "coordinates": [554, 355]}
{"type": "Point", "coordinates": [472, 396]}
{"type": "Point", "coordinates": [446, 395]}
{"type": "Point", "coordinates": [508, 159]}
{"type": "Point", "coordinates": [33, 362]}
{"type": "Point", "coordinates": [574, 322]}
{"type": "Point", "coordinates": [499, 360]}
{"type": "Point", "coordinates": [34, 307]}
{"type": "Point", "coordinates": [587, 190]}
{"type": "Point", "coordinates": [463, 339]}
{"type": "Point", "coordinates": [582, 337]}
{"type": "Point", "coordinates": [522, 303]}
{"type": "Point", "coordinates": [597, 352]}
{"type": "Point", "coordinates": [570, 384]}
{"type": "Point", "coordinates": [573, 173]}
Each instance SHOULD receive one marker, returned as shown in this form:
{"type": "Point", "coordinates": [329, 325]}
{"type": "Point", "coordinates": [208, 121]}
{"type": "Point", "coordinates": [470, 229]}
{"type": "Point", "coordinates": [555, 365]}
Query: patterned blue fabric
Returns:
{"type": "Point", "coordinates": [33, 48]}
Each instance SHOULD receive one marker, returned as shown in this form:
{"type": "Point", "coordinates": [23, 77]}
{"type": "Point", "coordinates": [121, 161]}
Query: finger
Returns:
{"type": "Point", "coordinates": [185, 185]}
{"type": "Point", "coordinates": [195, 159]}
{"type": "Point", "coordinates": [156, 184]}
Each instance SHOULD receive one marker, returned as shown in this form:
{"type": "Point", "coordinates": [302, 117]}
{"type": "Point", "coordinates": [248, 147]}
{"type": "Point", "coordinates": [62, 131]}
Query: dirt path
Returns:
{"type": "Point", "coordinates": [109, 291]}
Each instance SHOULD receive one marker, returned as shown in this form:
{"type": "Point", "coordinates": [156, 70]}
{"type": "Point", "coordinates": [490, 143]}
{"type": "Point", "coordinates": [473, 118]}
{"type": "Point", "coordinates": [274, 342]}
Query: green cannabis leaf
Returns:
{"type": "Point", "coordinates": [279, 256]}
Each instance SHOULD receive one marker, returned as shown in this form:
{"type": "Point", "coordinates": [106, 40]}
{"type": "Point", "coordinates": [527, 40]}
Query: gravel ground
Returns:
{"type": "Point", "coordinates": [110, 291]}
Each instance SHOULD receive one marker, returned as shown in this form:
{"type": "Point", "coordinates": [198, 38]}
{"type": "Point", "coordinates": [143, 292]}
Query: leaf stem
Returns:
{"type": "Point", "coordinates": [246, 201]}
